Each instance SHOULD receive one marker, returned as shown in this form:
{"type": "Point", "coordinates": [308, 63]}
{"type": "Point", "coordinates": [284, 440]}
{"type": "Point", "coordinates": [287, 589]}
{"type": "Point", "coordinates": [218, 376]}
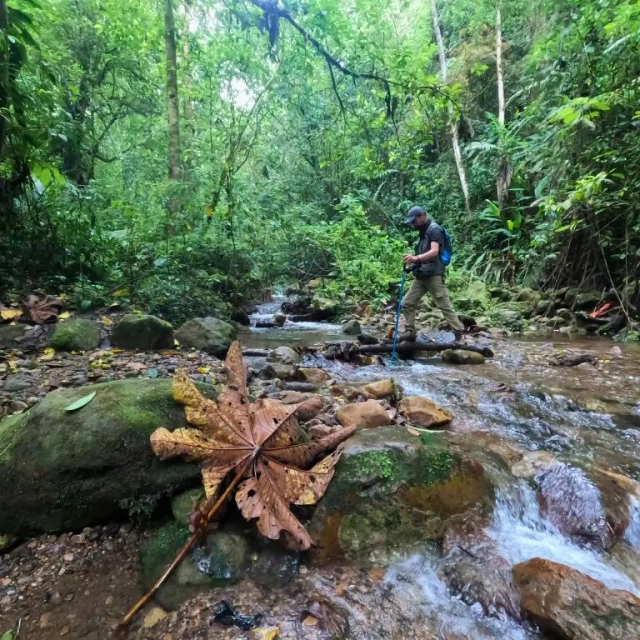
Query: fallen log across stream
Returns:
{"type": "Point", "coordinates": [346, 350]}
{"type": "Point", "coordinates": [409, 348]}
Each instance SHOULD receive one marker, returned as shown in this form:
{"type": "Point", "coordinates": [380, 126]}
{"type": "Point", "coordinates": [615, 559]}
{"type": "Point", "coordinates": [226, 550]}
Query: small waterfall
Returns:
{"type": "Point", "coordinates": [449, 613]}
{"type": "Point", "coordinates": [267, 310]}
{"type": "Point", "coordinates": [521, 533]}
{"type": "Point", "coordinates": [632, 534]}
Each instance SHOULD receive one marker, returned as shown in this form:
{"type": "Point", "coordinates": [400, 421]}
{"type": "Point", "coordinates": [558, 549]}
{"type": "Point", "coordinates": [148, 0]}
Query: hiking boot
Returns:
{"type": "Point", "coordinates": [407, 336]}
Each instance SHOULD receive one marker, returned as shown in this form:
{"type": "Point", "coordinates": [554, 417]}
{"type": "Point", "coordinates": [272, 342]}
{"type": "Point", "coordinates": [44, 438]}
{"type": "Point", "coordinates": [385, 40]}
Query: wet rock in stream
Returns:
{"type": "Point", "coordinates": [574, 606]}
{"type": "Point", "coordinates": [572, 502]}
{"type": "Point", "coordinates": [224, 561]}
{"type": "Point", "coordinates": [475, 570]}
{"type": "Point", "coordinates": [365, 414]}
{"type": "Point", "coordinates": [392, 490]}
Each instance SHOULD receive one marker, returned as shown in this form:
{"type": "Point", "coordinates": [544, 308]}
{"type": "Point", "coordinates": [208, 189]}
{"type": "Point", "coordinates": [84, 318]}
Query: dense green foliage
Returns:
{"type": "Point", "coordinates": [307, 127]}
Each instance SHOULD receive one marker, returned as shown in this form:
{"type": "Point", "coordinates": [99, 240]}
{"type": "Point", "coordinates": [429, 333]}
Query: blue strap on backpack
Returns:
{"type": "Point", "coordinates": [447, 250]}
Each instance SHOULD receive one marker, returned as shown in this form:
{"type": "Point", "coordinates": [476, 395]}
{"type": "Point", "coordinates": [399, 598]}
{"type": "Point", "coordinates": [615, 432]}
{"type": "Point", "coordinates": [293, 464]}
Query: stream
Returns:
{"type": "Point", "coordinates": [586, 417]}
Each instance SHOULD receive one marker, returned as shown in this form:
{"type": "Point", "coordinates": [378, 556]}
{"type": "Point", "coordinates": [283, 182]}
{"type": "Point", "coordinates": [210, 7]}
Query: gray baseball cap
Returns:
{"type": "Point", "coordinates": [414, 212]}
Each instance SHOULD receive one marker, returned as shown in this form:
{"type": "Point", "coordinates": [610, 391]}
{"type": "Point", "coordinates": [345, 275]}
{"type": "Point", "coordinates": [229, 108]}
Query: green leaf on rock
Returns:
{"type": "Point", "coordinates": [78, 404]}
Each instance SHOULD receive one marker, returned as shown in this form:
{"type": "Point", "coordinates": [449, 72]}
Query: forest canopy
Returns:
{"type": "Point", "coordinates": [181, 155]}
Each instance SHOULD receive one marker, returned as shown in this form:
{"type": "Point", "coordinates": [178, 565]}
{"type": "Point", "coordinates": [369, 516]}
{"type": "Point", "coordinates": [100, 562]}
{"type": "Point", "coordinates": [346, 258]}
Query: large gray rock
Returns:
{"type": "Point", "coordinates": [223, 562]}
{"type": "Point", "coordinates": [285, 355]}
{"type": "Point", "coordinates": [572, 502]}
{"type": "Point", "coordinates": [509, 318]}
{"type": "Point", "coordinates": [9, 333]}
{"type": "Point", "coordinates": [394, 490]}
{"type": "Point", "coordinates": [76, 335]}
{"type": "Point", "coordinates": [146, 333]}
{"type": "Point", "coordinates": [351, 328]}
{"type": "Point", "coordinates": [207, 334]}
{"type": "Point", "coordinates": [63, 470]}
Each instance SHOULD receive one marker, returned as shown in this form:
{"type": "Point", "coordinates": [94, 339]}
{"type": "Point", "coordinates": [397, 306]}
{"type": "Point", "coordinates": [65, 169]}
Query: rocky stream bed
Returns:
{"type": "Point", "coordinates": [511, 512]}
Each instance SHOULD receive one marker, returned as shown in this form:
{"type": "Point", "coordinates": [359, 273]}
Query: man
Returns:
{"type": "Point", "coordinates": [428, 273]}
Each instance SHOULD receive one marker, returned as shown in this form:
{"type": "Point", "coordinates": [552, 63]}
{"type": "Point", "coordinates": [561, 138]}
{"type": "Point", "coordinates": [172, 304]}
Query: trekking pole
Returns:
{"type": "Point", "coordinates": [395, 333]}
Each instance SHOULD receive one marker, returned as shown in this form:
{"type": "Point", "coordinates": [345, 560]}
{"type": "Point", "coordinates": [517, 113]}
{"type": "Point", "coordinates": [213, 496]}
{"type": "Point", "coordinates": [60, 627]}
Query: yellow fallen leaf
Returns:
{"type": "Point", "coordinates": [10, 314]}
{"type": "Point", "coordinates": [153, 617]}
{"type": "Point", "coordinates": [12, 364]}
{"type": "Point", "coordinates": [204, 370]}
{"type": "Point", "coordinates": [136, 366]}
{"type": "Point", "coordinates": [176, 342]}
{"type": "Point", "coordinates": [266, 633]}
{"type": "Point", "coordinates": [64, 316]}
{"type": "Point", "coordinates": [48, 354]}
{"type": "Point", "coordinates": [116, 351]}
{"type": "Point", "coordinates": [310, 621]}
{"type": "Point", "coordinates": [106, 320]}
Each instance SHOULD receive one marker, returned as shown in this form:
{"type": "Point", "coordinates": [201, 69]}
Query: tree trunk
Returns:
{"type": "Point", "coordinates": [501, 119]}
{"type": "Point", "coordinates": [503, 179]}
{"type": "Point", "coordinates": [188, 121]}
{"type": "Point", "coordinates": [455, 136]}
{"type": "Point", "coordinates": [173, 111]}
{"type": "Point", "coordinates": [5, 89]}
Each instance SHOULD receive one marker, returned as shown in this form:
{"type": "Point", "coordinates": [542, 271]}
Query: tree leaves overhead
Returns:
{"type": "Point", "coordinates": [232, 432]}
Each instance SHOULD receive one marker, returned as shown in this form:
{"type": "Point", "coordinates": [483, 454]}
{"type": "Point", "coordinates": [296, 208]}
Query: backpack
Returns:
{"type": "Point", "coordinates": [447, 249]}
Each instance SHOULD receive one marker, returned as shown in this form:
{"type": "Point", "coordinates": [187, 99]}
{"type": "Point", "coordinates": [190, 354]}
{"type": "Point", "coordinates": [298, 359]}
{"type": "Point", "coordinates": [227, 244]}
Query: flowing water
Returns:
{"type": "Point", "coordinates": [585, 418]}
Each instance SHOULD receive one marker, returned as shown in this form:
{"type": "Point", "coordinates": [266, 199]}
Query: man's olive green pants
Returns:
{"type": "Point", "coordinates": [438, 290]}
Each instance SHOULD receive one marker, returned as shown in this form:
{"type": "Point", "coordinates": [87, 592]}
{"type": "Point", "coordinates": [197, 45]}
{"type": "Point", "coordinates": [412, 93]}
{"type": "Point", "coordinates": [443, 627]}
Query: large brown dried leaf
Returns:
{"type": "Point", "coordinates": [230, 432]}
{"type": "Point", "coordinates": [42, 310]}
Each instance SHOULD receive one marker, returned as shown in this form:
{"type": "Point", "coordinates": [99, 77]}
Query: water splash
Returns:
{"type": "Point", "coordinates": [521, 533]}
{"type": "Point", "coordinates": [449, 613]}
{"type": "Point", "coordinates": [632, 534]}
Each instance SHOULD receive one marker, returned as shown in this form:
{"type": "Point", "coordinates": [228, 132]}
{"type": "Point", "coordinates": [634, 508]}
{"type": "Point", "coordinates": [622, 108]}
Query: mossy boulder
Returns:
{"type": "Point", "coordinates": [146, 333]}
{"type": "Point", "coordinates": [508, 318]}
{"type": "Point", "coordinates": [393, 490]}
{"type": "Point", "coordinates": [528, 295]}
{"type": "Point", "coordinates": [224, 561]}
{"type": "Point", "coordinates": [588, 300]}
{"type": "Point", "coordinates": [9, 333]}
{"type": "Point", "coordinates": [207, 334]}
{"type": "Point", "coordinates": [65, 470]}
{"type": "Point", "coordinates": [324, 308]}
{"type": "Point", "coordinates": [185, 503]}
{"type": "Point", "coordinates": [459, 356]}
{"type": "Point", "coordinates": [76, 335]}
{"type": "Point", "coordinates": [475, 296]}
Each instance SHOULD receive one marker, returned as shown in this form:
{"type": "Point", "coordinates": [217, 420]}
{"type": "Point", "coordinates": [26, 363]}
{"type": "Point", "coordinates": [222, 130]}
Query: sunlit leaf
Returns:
{"type": "Point", "coordinates": [10, 314]}
{"type": "Point", "coordinates": [78, 404]}
{"type": "Point", "coordinates": [48, 354]}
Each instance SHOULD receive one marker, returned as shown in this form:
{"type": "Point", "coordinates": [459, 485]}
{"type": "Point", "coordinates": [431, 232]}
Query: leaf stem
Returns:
{"type": "Point", "coordinates": [185, 550]}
